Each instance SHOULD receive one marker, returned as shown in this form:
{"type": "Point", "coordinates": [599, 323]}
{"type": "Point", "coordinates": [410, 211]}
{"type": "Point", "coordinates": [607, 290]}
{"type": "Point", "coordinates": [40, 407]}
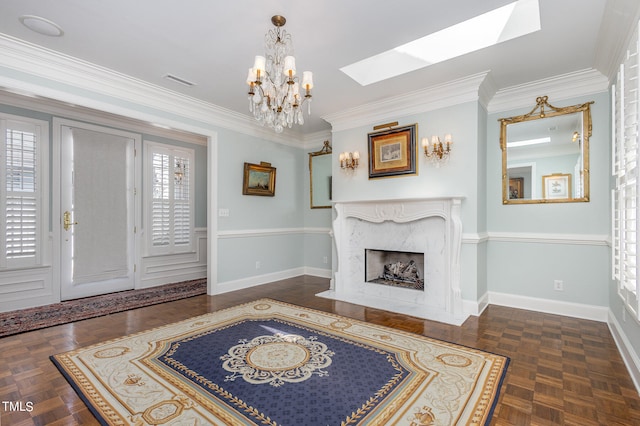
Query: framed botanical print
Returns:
{"type": "Point", "coordinates": [556, 186]}
{"type": "Point", "coordinates": [393, 152]}
{"type": "Point", "coordinates": [259, 179]}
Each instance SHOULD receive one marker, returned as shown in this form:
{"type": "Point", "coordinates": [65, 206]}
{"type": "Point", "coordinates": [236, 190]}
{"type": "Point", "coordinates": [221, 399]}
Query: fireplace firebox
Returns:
{"type": "Point", "coordinates": [395, 268]}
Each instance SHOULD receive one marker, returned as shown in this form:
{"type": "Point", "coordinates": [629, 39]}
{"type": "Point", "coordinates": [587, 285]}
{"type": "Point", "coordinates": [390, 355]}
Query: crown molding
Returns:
{"type": "Point", "coordinates": [487, 90]}
{"type": "Point", "coordinates": [618, 24]}
{"type": "Point", "coordinates": [62, 109]}
{"type": "Point", "coordinates": [455, 92]}
{"type": "Point", "coordinates": [106, 90]}
{"type": "Point", "coordinates": [315, 141]}
{"type": "Point", "coordinates": [564, 86]}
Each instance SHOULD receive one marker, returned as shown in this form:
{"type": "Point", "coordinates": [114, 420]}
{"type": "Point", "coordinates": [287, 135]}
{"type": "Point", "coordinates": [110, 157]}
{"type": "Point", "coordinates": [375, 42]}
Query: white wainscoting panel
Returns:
{"type": "Point", "coordinates": [26, 288]}
{"type": "Point", "coordinates": [166, 269]}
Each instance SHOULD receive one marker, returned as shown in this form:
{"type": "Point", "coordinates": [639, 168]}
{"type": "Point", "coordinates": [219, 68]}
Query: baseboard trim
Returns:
{"type": "Point", "coordinates": [625, 348]}
{"type": "Point", "coordinates": [483, 302]}
{"type": "Point", "coordinates": [317, 272]}
{"type": "Point", "coordinates": [567, 309]}
{"type": "Point", "coordinates": [242, 283]}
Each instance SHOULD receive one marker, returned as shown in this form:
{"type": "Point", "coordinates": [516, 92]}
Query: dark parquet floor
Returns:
{"type": "Point", "coordinates": [563, 371]}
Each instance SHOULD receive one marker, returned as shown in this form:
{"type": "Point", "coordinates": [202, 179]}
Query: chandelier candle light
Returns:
{"type": "Point", "coordinates": [274, 87]}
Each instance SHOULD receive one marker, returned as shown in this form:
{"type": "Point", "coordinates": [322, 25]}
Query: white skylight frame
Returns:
{"type": "Point", "coordinates": [513, 20]}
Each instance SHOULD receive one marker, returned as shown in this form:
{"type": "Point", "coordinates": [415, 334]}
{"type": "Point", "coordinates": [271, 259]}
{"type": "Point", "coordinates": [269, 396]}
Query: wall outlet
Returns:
{"type": "Point", "coordinates": [558, 285]}
{"type": "Point", "coordinates": [257, 264]}
{"type": "Point", "coordinates": [325, 260]}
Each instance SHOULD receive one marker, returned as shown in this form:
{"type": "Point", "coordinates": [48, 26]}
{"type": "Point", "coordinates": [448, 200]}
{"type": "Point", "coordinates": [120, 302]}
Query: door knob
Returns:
{"type": "Point", "coordinates": [66, 221]}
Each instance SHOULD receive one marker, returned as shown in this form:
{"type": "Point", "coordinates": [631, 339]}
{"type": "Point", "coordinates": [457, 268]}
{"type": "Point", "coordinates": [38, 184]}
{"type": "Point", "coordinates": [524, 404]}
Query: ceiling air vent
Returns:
{"type": "Point", "coordinates": [179, 80]}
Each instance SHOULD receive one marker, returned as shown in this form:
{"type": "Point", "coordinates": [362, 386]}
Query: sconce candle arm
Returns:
{"type": "Point", "coordinates": [439, 151]}
{"type": "Point", "coordinates": [349, 160]}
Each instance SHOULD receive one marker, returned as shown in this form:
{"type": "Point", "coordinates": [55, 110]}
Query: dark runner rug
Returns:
{"type": "Point", "coordinates": [272, 363]}
{"type": "Point", "coordinates": [22, 320]}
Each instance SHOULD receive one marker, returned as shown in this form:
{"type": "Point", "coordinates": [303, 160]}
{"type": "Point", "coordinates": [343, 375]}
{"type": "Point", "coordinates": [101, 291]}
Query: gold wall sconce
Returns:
{"type": "Point", "coordinates": [440, 151]}
{"type": "Point", "coordinates": [349, 161]}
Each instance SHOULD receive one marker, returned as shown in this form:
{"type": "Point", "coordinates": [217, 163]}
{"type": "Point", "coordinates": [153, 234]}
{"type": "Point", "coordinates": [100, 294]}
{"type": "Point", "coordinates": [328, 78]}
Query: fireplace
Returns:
{"type": "Point", "coordinates": [425, 231]}
{"type": "Point", "coordinates": [394, 268]}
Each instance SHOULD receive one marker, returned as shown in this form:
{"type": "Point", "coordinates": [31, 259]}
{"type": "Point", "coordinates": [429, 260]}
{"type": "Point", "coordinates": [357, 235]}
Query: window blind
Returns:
{"type": "Point", "coordinates": [22, 192]}
{"type": "Point", "coordinates": [625, 101]}
{"type": "Point", "coordinates": [161, 206]}
{"type": "Point", "coordinates": [171, 205]}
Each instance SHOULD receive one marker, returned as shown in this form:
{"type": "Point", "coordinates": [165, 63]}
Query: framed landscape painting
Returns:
{"type": "Point", "coordinates": [259, 179]}
{"type": "Point", "coordinates": [393, 152]}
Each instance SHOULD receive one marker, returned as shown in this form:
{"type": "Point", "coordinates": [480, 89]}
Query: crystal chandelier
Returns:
{"type": "Point", "coordinates": [274, 87]}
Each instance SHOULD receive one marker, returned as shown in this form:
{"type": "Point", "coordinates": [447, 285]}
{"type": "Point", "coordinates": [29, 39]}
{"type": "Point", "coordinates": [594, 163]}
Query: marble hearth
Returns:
{"type": "Point", "coordinates": [429, 226]}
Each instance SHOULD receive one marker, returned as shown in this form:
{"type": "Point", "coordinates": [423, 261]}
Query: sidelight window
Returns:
{"type": "Point", "coordinates": [170, 203]}
{"type": "Point", "coordinates": [23, 144]}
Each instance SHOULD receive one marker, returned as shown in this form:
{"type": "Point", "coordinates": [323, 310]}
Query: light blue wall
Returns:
{"type": "Point", "coordinates": [480, 255]}
{"type": "Point", "coordinates": [460, 177]}
{"type": "Point", "coordinates": [280, 251]}
{"type": "Point", "coordinates": [317, 241]}
{"type": "Point", "coordinates": [528, 269]}
{"type": "Point", "coordinates": [259, 212]}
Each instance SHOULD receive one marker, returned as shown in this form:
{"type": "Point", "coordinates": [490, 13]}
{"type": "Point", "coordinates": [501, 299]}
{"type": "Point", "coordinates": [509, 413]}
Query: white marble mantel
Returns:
{"type": "Point", "coordinates": [430, 225]}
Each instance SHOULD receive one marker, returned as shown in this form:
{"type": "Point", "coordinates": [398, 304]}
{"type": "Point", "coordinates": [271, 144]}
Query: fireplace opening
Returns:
{"type": "Point", "coordinates": [394, 268]}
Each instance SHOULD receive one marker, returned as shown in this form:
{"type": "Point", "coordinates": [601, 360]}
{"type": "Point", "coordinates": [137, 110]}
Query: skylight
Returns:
{"type": "Point", "coordinates": [528, 142]}
{"type": "Point", "coordinates": [504, 23]}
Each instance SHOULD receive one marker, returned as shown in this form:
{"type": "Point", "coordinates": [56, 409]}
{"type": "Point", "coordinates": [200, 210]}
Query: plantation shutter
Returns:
{"type": "Point", "coordinates": [182, 202]}
{"type": "Point", "coordinates": [161, 206]}
{"type": "Point", "coordinates": [626, 97]}
{"type": "Point", "coordinates": [21, 194]}
{"type": "Point", "coordinates": [171, 206]}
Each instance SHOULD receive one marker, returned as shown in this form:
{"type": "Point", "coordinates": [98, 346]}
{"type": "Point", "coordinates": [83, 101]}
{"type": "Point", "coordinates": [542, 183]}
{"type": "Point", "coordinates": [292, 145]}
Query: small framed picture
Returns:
{"type": "Point", "coordinates": [556, 186]}
{"type": "Point", "coordinates": [393, 152]}
{"type": "Point", "coordinates": [516, 188]}
{"type": "Point", "coordinates": [259, 179]}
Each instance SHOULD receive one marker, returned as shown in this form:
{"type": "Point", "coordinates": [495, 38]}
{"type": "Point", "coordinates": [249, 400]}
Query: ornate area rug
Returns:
{"type": "Point", "coordinates": [29, 319]}
{"type": "Point", "coordinates": [271, 363]}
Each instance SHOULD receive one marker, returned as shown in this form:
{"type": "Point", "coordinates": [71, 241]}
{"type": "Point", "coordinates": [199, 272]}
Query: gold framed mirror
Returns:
{"type": "Point", "coordinates": [545, 154]}
{"type": "Point", "coordinates": [320, 177]}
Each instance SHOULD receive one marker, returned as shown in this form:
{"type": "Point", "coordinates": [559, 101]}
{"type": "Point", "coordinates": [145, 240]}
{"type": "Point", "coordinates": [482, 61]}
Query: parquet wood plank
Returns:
{"type": "Point", "coordinates": [563, 370]}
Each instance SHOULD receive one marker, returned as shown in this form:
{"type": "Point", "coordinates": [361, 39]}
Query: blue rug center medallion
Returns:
{"type": "Point", "coordinates": [273, 371]}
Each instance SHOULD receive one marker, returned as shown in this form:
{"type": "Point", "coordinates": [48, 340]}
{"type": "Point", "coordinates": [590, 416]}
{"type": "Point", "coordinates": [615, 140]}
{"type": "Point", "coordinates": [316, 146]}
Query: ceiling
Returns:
{"type": "Point", "coordinates": [213, 43]}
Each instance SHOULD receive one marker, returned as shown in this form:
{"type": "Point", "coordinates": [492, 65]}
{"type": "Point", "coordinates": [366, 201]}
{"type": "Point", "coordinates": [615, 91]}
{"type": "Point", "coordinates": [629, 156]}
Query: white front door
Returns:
{"type": "Point", "coordinates": [97, 210]}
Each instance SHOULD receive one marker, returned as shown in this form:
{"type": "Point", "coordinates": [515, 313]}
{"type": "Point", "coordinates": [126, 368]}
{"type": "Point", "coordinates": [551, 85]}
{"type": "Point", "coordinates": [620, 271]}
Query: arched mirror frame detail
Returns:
{"type": "Point", "coordinates": [538, 113]}
{"type": "Point", "coordinates": [313, 203]}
